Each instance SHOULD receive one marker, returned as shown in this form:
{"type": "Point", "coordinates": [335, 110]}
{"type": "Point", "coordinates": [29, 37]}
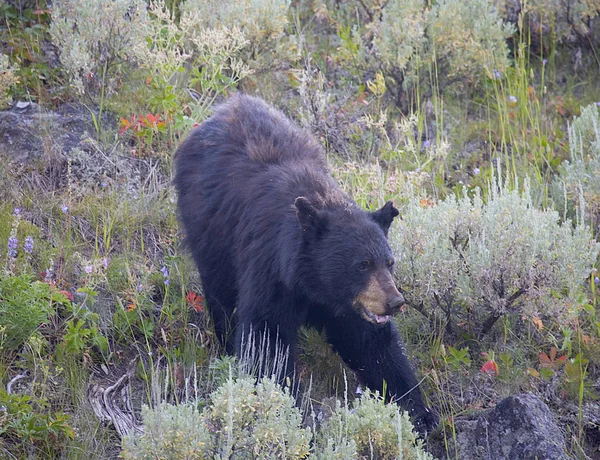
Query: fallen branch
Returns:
{"type": "Point", "coordinates": [104, 405]}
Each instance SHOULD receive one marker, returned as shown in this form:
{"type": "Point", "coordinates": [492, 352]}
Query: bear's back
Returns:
{"type": "Point", "coordinates": [260, 132]}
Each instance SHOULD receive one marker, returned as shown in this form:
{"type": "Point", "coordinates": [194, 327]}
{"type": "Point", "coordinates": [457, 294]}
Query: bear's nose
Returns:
{"type": "Point", "coordinates": [396, 303]}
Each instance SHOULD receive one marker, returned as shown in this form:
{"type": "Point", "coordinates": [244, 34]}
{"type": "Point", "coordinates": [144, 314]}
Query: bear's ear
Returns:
{"type": "Point", "coordinates": [310, 218]}
{"type": "Point", "coordinates": [385, 216]}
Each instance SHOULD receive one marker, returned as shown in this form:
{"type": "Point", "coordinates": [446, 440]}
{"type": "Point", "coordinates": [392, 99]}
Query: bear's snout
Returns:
{"type": "Point", "coordinates": [395, 304]}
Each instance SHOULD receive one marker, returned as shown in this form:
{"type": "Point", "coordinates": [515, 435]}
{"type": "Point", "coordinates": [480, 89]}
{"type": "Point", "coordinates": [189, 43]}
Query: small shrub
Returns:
{"type": "Point", "coordinates": [24, 307]}
{"type": "Point", "coordinates": [186, 52]}
{"type": "Point", "coordinates": [262, 21]}
{"type": "Point", "coordinates": [580, 174]}
{"type": "Point", "coordinates": [399, 37]}
{"type": "Point", "coordinates": [467, 262]}
{"type": "Point", "coordinates": [252, 420]}
{"type": "Point", "coordinates": [170, 432]}
{"type": "Point", "coordinates": [244, 420]}
{"type": "Point", "coordinates": [27, 422]}
{"type": "Point", "coordinates": [371, 429]}
{"type": "Point", "coordinates": [471, 45]}
{"type": "Point", "coordinates": [95, 38]}
{"type": "Point", "coordinates": [8, 79]}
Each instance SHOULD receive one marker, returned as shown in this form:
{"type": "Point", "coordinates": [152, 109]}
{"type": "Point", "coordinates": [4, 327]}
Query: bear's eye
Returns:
{"type": "Point", "coordinates": [364, 265]}
{"type": "Point", "coordinates": [390, 263]}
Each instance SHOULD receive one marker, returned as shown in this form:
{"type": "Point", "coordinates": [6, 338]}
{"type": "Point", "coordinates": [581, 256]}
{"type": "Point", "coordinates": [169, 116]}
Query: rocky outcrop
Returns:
{"type": "Point", "coordinates": [520, 427]}
{"type": "Point", "coordinates": [28, 132]}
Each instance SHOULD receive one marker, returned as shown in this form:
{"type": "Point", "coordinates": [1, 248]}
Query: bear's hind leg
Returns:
{"type": "Point", "coordinates": [266, 337]}
{"type": "Point", "coordinates": [221, 297]}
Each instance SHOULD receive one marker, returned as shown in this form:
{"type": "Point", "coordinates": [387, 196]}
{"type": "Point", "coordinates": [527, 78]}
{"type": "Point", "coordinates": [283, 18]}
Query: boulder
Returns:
{"type": "Point", "coordinates": [520, 427]}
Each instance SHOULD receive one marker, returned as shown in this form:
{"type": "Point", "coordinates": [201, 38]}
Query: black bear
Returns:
{"type": "Point", "coordinates": [278, 244]}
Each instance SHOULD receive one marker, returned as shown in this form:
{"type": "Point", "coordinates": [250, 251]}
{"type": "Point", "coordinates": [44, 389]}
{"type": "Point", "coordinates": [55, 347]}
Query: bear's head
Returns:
{"type": "Point", "coordinates": [347, 260]}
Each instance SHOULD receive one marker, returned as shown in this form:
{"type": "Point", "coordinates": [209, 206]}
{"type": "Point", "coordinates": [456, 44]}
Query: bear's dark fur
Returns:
{"type": "Point", "coordinates": [278, 244]}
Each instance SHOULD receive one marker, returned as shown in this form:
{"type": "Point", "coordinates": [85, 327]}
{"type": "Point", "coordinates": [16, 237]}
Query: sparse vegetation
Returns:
{"type": "Point", "coordinates": [483, 128]}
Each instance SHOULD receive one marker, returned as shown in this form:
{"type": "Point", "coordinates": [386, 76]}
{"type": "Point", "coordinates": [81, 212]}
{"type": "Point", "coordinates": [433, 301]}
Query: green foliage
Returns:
{"type": "Point", "coordinates": [95, 39]}
{"type": "Point", "coordinates": [186, 52]}
{"type": "Point", "coordinates": [371, 429]}
{"type": "Point", "coordinates": [8, 78]}
{"type": "Point", "coordinates": [26, 422]}
{"type": "Point", "coordinates": [470, 262]}
{"type": "Point", "coordinates": [245, 419]}
{"type": "Point", "coordinates": [457, 358]}
{"type": "Point", "coordinates": [24, 307]}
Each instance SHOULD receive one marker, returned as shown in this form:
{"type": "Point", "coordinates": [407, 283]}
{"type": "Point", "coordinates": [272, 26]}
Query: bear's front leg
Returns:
{"type": "Point", "coordinates": [376, 353]}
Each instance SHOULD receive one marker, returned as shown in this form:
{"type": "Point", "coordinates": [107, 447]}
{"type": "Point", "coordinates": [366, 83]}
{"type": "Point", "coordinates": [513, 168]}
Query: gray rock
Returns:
{"type": "Point", "coordinates": [28, 131]}
{"type": "Point", "coordinates": [520, 427]}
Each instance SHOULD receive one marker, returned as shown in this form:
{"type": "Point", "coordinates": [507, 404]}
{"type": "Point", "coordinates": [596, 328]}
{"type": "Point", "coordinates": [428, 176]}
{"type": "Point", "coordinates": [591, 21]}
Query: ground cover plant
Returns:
{"type": "Point", "coordinates": [483, 129]}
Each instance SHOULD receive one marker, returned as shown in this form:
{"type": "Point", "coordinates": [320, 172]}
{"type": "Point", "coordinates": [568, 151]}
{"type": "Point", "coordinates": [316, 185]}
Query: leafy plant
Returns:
{"type": "Point", "coordinates": [25, 305]}
{"type": "Point", "coordinates": [170, 432]}
{"type": "Point", "coordinates": [457, 358]}
{"type": "Point", "coordinates": [143, 128]}
{"type": "Point", "coordinates": [25, 421]}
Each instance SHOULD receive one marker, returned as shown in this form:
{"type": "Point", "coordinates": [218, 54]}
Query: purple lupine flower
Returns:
{"type": "Point", "coordinates": [65, 209]}
{"type": "Point", "coordinates": [28, 245]}
{"type": "Point", "coordinates": [88, 269]}
{"type": "Point", "coordinates": [140, 288]}
{"type": "Point", "coordinates": [49, 272]}
{"type": "Point", "coordinates": [544, 61]}
{"type": "Point", "coordinates": [497, 74]}
{"type": "Point", "coordinates": [104, 183]}
{"type": "Point", "coordinates": [105, 263]}
{"type": "Point", "coordinates": [17, 211]}
{"type": "Point", "coordinates": [476, 171]}
{"type": "Point", "coordinates": [427, 143]}
{"type": "Point", "coordinates": [13, 243]}
{"type": "Point", "coordinates": [165, 273]}
{"type": "Point", "coordinates": [512, 99]}
{"type": "Point", "coordinates": [597, 281]}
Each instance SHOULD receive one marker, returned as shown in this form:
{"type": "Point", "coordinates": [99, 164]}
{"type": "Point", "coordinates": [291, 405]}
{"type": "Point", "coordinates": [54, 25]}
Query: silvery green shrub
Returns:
{"type": "Point", "coordinates": [8, 79]}
{"type": "Point", "coordinates": [470, 37]}
{"type": "Point", "coordinates": [260, 20]}
{"type": "Point", "coordinates": [95, 38]}
{"type": "Point", "coordinates": [466, 262]}
{"type": "Point", "coordinates": [581, 175]}
{"type": "Point", "coordinates": [408, 34]}
{"type": "Point", "coordinates": [170, 433]}
{"type": "Point", "coordinates": [255, 421]}
{"type": "Point", "coordinates": [244, 419]}
{"type": "Point", "coordinates": [399, 36]}
{"type": "Point", "coordinates": [370, 429]}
